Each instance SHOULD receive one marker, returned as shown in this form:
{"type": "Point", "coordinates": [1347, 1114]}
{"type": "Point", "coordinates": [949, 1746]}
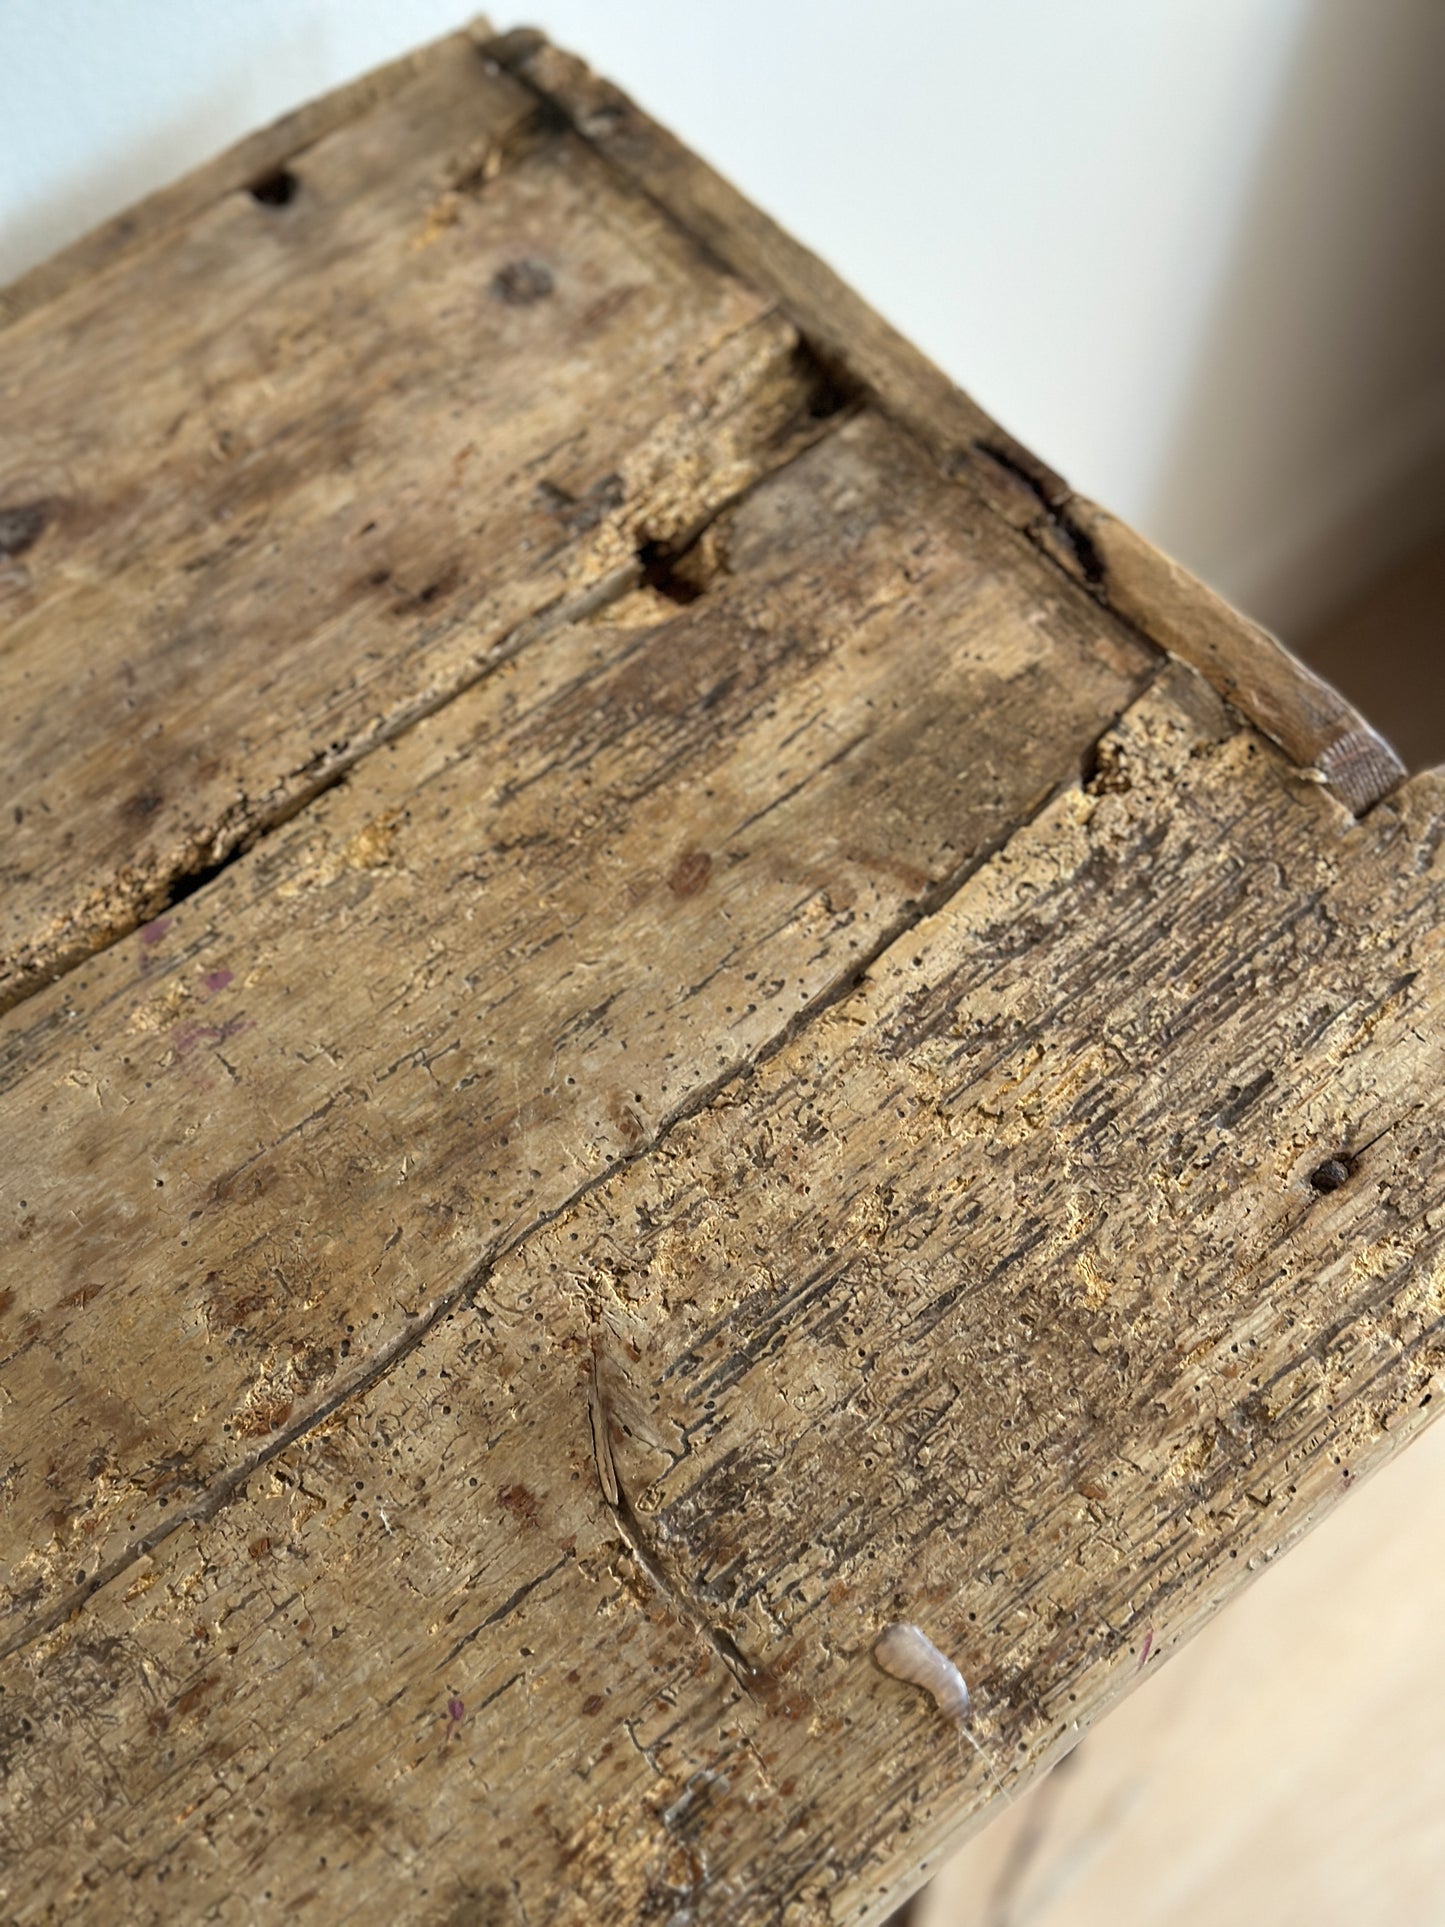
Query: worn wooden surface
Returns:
{"type": "Point", "coordinates": [1252, 669]}
{"type": "Point", "coordinates": [773, 1077]}
{"type": "Point", "coordinates": [354, 473]}
{"type": "Point", "coordinates": [1000, 1297]}
{"type": "Point", "coordinates": [500, 958]}
{"type": "Point", "coordinates": [253, 160]}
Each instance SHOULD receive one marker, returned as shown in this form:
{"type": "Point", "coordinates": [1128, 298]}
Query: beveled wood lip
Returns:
{"type": "Point", "coordinates": [1321, 732]}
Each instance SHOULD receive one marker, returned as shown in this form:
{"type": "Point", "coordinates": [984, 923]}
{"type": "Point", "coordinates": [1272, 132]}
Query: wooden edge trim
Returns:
{"type": "Point", "coordinates": [848, 336]}
{"type": "Point", "coordinates": [1271, 688]}
{"type": "Point", "coordinates": [250, 159]}
{"type": "Point", "coordinates": [1252, 669]}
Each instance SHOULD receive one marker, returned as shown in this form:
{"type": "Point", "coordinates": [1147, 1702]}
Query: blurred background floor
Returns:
{"type": "Point", "coordinates": [1287, 1767]}
{"type": "Point", "coordinates": [1385, 650]}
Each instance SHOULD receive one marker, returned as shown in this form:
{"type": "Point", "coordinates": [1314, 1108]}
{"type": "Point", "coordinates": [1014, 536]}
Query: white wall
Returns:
{"type": "Point", "coordinates": [1186, 249]}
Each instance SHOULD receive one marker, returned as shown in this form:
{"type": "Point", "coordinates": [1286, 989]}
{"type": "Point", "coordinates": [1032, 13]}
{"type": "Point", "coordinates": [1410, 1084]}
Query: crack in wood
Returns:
{"type": "Point", "coordinates": [246, 824]}
{"type": "Point", "coordinates": [233, 1483]}
{"type": "Point", "coordinates": [1144, 590]}
{"type": "Point", "coordinates": [1054, 497]}
{"type": "Point", "coordinates": [630, 1527]}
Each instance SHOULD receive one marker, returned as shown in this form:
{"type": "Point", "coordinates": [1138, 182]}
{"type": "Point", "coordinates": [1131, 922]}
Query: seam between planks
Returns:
{"type": "Point", "coordinates": [233, 1483]}
{"type": "Point", "coordinates": [1149, 594]}
{"type": "Point", "coordinates": [239, 831]}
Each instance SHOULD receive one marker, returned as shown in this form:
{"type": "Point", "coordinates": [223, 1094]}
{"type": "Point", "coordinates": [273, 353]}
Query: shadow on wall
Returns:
{"type": "Point", "coordinates": [1326, 351]}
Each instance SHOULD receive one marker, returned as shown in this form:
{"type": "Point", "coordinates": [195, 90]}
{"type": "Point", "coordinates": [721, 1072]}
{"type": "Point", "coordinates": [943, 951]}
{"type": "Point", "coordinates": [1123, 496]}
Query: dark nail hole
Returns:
{"type": "Point", "coordinates": [826, 391]}
{"type": "Point", "coordinates": [21, 526]}
{"type": "Point", "coordinates": [668, 573]}
{"type": "Point", "coordinates": [276, 189]}
{"type": "Point", "coordinates": [520, 283]}
{"type": "Point", "coordinates": [830, 390]}
{"type": "Point", "coordinates": [1330, 1175]}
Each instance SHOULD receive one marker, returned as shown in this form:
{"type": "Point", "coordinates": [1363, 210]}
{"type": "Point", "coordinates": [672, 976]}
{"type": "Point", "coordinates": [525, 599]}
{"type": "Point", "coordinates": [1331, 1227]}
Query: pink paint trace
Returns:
{"type": "Point", "coordinates": [216, 980]}
{"type": "Point", "coordinates": [152, 932]}
{"type": "Point", "coordinates": [1146, 1649]}
{"type": "Point", "coordinates": [185, 1037]}
{"type": "Point", "coordinates": [456, 1713]}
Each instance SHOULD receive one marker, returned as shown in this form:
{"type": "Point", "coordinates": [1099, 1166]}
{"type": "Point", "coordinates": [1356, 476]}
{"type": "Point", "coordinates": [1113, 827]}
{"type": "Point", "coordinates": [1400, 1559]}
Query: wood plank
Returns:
{"type": "Point", "coordinates": [257, 158]}
{"type": "Point", "coordinates": [260, 1143]}
{"type": "Point", "coordinates": [449, 390]}
{"type": "Point", "coordinates": [1011, 1295]}
{"type": "Point", "coordinates": [1252, 669]}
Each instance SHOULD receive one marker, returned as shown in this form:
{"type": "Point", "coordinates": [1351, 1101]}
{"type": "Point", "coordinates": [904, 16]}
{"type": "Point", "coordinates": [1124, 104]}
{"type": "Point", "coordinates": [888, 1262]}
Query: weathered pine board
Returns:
{"type": "Point", "coordinates": [1000, 1297]}
{"type": "Point", "coordinates": [1250, 667]}
{"type": "Point", "coordinates": [259, 157]}
{"type": "Point", "coordinates": [287, 477]}
{"type": "Point", "coordinates": [256, 1145]}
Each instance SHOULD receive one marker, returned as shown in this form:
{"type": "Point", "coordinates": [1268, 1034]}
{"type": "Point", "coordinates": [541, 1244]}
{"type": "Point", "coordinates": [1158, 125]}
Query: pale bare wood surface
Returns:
{"type": "Point", "coordinates": [1000, 1298]}
{"type": "Point", "coordinates": [1311, 721]}
{"type": "Point", "coordinates": [1286, 1766]}
{"type": "Point", "coordinates": [747, 1122]}
{"type": "Point", "coordinates": [354, 473]}
{"type": "Point", "coordinates": [301, 1109]}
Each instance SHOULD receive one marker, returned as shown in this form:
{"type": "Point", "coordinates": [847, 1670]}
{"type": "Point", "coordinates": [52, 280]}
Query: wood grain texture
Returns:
{"type": "Point", "coordinates": [254, 159]}
{"type": "Point", "coordinates": [1000, 1298]}
{"type": "Point", "coordinates": [1281, 695]}
{"type": "Point", "coordinates": [259, 1143]}
{"type": "Point", "coordinates": [726, 1059]}
{"type": "Point", "coordinates": [1252, 669]}
{"type": "Point", "coordinates": [839, 324]}
{"type": "Point", "coordinates": [447, 392]}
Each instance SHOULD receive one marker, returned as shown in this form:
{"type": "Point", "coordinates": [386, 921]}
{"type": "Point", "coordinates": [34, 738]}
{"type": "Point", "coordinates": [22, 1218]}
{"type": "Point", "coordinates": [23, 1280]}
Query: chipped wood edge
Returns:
{"type": "Point", "coordinates": [250, 159]}
{"type": "Point", "coordinates": [1252, 669]}
{"type": "Point", "coordinates": [1269, 686]}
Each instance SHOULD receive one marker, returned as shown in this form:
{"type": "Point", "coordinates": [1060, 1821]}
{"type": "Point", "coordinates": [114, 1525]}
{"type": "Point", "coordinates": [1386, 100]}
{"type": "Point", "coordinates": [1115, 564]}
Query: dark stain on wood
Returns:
{"type": "Point", "coordinates": [520, 1502]}
{"type": "Point", "coordinates": [522, 282]}
{"type": "Point", "coordinates": [186, 1703]}
{"type": "Point", "coordinates": [21, 526]}
{"type": "Point", "coordinates": [690, 873]}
